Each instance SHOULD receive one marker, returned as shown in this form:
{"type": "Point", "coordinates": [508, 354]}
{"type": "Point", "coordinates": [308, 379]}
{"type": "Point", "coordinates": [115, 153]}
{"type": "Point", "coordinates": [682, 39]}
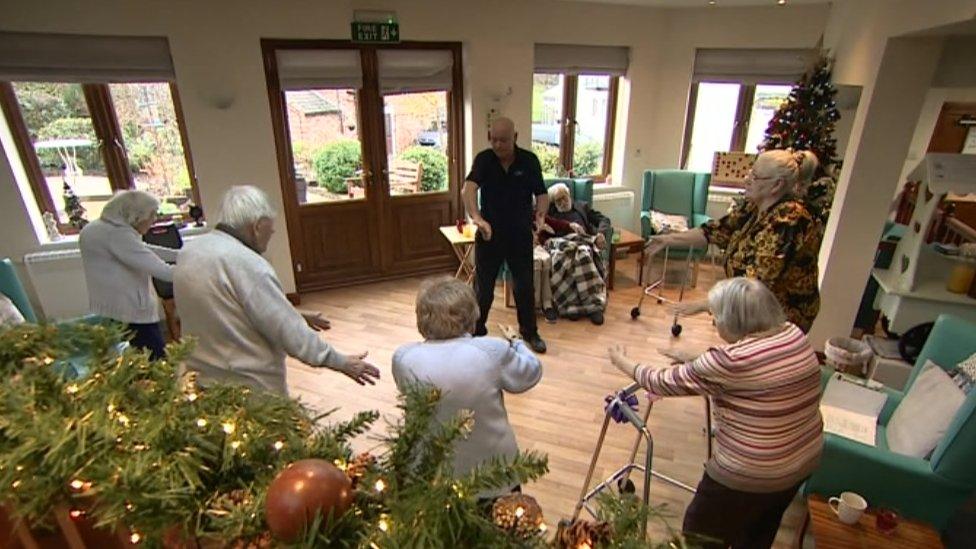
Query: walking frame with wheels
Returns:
{"type": "Point", "coordinates": [654, 289]}
{"type": "Point", "coordinates": [621, 477]}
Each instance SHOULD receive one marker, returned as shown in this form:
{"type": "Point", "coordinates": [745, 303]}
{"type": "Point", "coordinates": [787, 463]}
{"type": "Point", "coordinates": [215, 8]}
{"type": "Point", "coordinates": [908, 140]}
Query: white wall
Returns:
{"type": "Point", "coordinates": [216, 53]}
{"type": "Point", "coordinates": [867, 39]}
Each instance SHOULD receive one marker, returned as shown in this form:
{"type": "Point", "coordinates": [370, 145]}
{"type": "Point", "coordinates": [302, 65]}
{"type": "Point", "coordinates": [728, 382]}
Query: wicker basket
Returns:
{"type": "Point", "coordinates": [848, 355]}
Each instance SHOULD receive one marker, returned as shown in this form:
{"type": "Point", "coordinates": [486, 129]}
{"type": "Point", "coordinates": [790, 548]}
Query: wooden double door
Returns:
{"type": "Point", "coordinates": [369, 143]}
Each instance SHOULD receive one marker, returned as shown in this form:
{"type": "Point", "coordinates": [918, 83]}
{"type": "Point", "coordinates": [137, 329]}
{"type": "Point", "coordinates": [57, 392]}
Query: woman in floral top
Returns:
{"type": "Point", "coordinates": [771, 236]}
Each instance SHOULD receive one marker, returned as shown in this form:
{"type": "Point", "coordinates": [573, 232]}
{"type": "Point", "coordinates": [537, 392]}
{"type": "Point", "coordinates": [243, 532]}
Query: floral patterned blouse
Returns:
{"type": "Point", "coordinates": [779, 247]}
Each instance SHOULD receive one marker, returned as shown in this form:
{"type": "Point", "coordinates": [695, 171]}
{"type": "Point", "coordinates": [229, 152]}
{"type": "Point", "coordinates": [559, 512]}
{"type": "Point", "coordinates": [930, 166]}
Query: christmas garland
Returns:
{"type": "Point", "coordinates": [125, 443]}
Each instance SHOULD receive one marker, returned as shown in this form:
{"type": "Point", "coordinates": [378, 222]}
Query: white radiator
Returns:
{"type": "Point", "coordinates": [59, 283]}
{"type": "Point", "coordinates": [618, 206]}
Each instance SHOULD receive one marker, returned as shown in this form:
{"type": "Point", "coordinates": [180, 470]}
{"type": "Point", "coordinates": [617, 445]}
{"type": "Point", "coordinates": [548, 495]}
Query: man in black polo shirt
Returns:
{"type": "Point", "coordinates": [508, 178]}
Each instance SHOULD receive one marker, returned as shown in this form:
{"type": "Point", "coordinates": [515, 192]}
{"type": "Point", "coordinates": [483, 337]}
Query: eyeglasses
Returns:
{"type": "Point", "coordinates": [751, 176]}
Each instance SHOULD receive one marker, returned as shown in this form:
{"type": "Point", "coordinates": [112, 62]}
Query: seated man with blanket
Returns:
{"type": "Point", "coordinates": [576, 269]}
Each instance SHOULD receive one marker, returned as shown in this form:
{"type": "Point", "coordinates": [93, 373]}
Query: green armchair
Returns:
{"type": "Point", "coordinates": [11, 287]}
{"type": "Point", "coordinates": [676, 192]}
{"type": "Point", "coordinates": [929, 490]}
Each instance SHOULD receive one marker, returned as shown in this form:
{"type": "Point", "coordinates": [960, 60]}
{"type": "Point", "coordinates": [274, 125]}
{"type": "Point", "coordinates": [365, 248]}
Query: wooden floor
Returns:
{"type": "Point", "coordinates": [562, 415]}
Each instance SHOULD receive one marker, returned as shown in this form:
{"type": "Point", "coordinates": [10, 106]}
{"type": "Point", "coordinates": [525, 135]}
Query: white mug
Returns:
{"type": "Point", "coordinates": [849, 507]}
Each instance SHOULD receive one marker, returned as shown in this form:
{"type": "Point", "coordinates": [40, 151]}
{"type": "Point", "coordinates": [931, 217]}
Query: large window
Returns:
{"type": "Point", "coordinates": [572, 123]}
{"type": "Point", "coordinates": [728, 117]}
{"type": "Point", "coordinates": [90, 140]}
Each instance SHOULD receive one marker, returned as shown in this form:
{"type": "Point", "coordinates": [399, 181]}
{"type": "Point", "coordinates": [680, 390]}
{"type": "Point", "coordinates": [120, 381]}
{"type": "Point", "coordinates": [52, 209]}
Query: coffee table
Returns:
{"type": "Point", "coordinates": [829, 532]}
{"type": "Point", "coordinates": [633, 244]}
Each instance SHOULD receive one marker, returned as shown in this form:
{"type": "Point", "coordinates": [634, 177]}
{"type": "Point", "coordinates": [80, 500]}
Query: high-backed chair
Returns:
{"type": "Point", "coordinates": [925, 489]}
{"type": "Point", "coordinates": [11, 287]}
{"type": "Point", "coordinates": [676, 192]}
{"type": "Point", "coordinates": [582, 189]}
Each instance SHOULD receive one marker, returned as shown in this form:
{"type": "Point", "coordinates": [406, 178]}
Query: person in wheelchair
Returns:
{"type": "Point", "coordinates": [765, 385]}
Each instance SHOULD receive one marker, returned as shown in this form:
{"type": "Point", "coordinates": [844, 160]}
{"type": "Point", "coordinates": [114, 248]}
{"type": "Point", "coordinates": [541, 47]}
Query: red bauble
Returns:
{"type": "Point", "coordinates": [302, 489]}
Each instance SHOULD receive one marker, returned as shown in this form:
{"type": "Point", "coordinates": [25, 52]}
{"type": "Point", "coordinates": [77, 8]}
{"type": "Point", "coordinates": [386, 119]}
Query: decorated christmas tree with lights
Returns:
{"type": "Point", "coordinates": [806, 120]}
{"type": "Point", "coordinates": [102, 445]}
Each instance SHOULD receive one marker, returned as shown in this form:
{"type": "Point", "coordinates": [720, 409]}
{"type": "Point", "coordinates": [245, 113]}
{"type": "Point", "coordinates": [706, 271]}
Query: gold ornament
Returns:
{"type": "Point", "coordinates": [518, 514]}
{"type": "Point", "coordinates": [582, 533]}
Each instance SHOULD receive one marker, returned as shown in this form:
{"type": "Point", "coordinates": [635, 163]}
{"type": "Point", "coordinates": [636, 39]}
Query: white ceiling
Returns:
{"type": "Point", "coordinates": [700, 3]}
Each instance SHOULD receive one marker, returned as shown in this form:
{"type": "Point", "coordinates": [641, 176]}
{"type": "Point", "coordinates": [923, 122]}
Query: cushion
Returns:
{"type": "Point", "coordinates": [964, 374]}
{"type": "Point", "coordinates": [9, 313]}
{"type": "Point", "coordinates": [663, 223]}
{"type": "Point", "coordinates": [924, 415]}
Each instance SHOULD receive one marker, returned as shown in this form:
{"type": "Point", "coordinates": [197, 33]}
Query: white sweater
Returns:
{"type": "Point", "coordinates": [118, 268]}
{"type": "Point", "coordinates": [231, 302]}
{"type": "Point", "coordinates": [474, 374]}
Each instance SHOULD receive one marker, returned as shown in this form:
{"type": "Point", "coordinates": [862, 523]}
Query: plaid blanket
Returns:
{"type": "Point", "coordinates": [577, 283]}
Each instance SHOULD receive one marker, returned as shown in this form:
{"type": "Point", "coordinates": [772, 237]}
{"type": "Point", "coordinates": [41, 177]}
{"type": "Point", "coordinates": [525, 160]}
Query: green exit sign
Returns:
{"type": "Point", "coordinates": [375, 32]}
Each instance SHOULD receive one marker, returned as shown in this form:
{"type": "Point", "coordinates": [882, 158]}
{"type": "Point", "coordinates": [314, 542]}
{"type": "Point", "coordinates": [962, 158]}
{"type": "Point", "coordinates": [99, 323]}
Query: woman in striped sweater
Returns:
{"type": "Point", "coordinates": [765, 385]}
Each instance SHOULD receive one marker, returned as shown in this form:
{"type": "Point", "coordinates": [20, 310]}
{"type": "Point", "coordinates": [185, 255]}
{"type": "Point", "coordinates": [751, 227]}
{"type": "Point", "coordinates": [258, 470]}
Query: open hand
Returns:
{"type": "Point", "coordinates": [508, 332]}
{"type": "Point", "coordinates": [618, 357]}
{"type": "Point", "coordinates": [316, 321]}
{"type": "Point", "coordinates": [601, 241]}
{"type": "Point", "coordinates": [678, 356]}
{"type": "Point", "coordinates": [688, 308]}
{"type": "Point", "coordinates": [484, 228]}
{"type": "Point", "coordinates": [577, 228]}
{"type": "Point", "coordinates": [360, 371]}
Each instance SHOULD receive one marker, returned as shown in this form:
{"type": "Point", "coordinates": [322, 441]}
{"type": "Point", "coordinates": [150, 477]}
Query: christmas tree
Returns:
{"type": "Point", "coordinates": [806, 120]}
{"type": "Point", "coordinates": [95, 437]}
{"type": "Point", "coordinates": [73, 207]}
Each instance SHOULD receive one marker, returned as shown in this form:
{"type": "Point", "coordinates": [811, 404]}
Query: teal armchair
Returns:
{"type": "Point", "coordinates": [676, 192]}
{"type": "Point", "coordinates": [11, 287]}
{"type": "Point", "coordinates": [929, 490]}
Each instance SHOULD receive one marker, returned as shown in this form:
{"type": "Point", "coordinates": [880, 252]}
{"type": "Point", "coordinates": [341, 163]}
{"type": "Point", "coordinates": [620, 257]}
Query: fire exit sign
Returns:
{"type": "Point", "coordinates": [375, 32]}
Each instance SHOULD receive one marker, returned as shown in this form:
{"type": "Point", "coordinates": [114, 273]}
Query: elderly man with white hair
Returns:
{"type": "Point", "coordinates": [231, 301]}
{"type": "Point", "coordinates": [571, 265]}
{"type": "Point", "coordinates": [119, 267]}
{"type": "Point", "coordinates": [765, 384]}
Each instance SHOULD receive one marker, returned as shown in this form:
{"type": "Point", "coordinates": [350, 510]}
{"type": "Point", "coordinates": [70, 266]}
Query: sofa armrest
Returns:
{"type": "Point", "coordinates": [894, 399]}
{"type": "Point", "coordinates": [646, 229]}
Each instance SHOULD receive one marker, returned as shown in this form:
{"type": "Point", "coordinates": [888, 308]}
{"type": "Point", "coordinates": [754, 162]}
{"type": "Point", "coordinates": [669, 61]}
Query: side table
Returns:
{"type": "Point", "coordinates": [632, 243]}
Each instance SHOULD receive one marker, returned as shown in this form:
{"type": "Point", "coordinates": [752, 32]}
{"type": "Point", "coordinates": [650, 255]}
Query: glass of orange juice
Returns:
{"type": "Point", "coordinates": [469, 230]}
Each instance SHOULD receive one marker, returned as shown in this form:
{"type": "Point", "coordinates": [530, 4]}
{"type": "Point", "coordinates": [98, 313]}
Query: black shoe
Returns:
{"type": "Point", "coordinates": [596, 318]}
{"type": "Point", "coordinates": [574, 316]}
{"type": "Point", "coordinates": [535, 343]}
{"type": "Point", "coordinates": [551, 315]}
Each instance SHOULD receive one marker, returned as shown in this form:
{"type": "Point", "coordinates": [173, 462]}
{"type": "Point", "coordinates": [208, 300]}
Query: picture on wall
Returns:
{"type": "Point", "coordinates": [730, 168]}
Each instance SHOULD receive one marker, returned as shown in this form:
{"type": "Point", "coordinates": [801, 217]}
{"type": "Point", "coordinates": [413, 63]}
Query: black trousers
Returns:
{"type": "Point", "coordinates": [722, 517]}
{"type": "Point", "coordinates": [149, 337]}
{"type": "Point", "coordinates": [516, 251]}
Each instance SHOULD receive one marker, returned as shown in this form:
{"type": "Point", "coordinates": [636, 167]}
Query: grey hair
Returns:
{"type": "Point", "coordinates": [743, 306]}
{"type": "Point", "coordinates": [796, 168]}
{"type": "Point", "coordinates": [446, 308]}
{"type": "Point", "coordinates": [555, 189]}
{"type": "Point", "coordinates": [130, 207]}
{"type": "Point", "coordinates": [244, 205]}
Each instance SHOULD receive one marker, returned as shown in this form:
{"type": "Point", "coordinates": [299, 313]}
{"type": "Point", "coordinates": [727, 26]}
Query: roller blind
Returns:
{"type": "Point", "coordinates": [319, 69]}
{"type": "Point", "coordinates": [402, 71]}
{"type": "Point", "coordinates": [26, 56]}
{"type": "Point", "coordinates": [752, 66]}
{"type": "Point", "coordinates": [573, 59]}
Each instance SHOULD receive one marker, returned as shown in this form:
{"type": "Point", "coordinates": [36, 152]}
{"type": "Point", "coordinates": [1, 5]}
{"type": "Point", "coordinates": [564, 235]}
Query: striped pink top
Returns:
{"type": "Point", "coordinates": [766, 396]}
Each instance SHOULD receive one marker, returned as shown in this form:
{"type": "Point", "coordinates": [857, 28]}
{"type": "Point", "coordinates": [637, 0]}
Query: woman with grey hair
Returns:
{"type": "Point", "coordinates": [119, 267]}
{"type": "Point", "coordinates": [472, 373]}
{"type": "Point", "coordinates": [765, 385]}
{"type": "Point", "coordinates": [772, 236]}
{"type": "Point", "coordinates": [231, 301]}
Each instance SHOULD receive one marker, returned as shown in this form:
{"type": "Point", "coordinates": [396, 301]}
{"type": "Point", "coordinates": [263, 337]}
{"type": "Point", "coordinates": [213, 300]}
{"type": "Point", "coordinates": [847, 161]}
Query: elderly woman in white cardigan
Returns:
{"type": "Point", "coordinates": [231, 301]}
{"type": "Point", "coordinates": [119, 267]}
{"type": "Point", "coordinates": [472, 373]}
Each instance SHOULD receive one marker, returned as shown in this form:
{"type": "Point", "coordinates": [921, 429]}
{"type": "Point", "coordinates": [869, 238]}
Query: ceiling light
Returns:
{"type": "Point", "coordinates": [781, 2]}
{"type": "Point", "coordinates": [711, 2]}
